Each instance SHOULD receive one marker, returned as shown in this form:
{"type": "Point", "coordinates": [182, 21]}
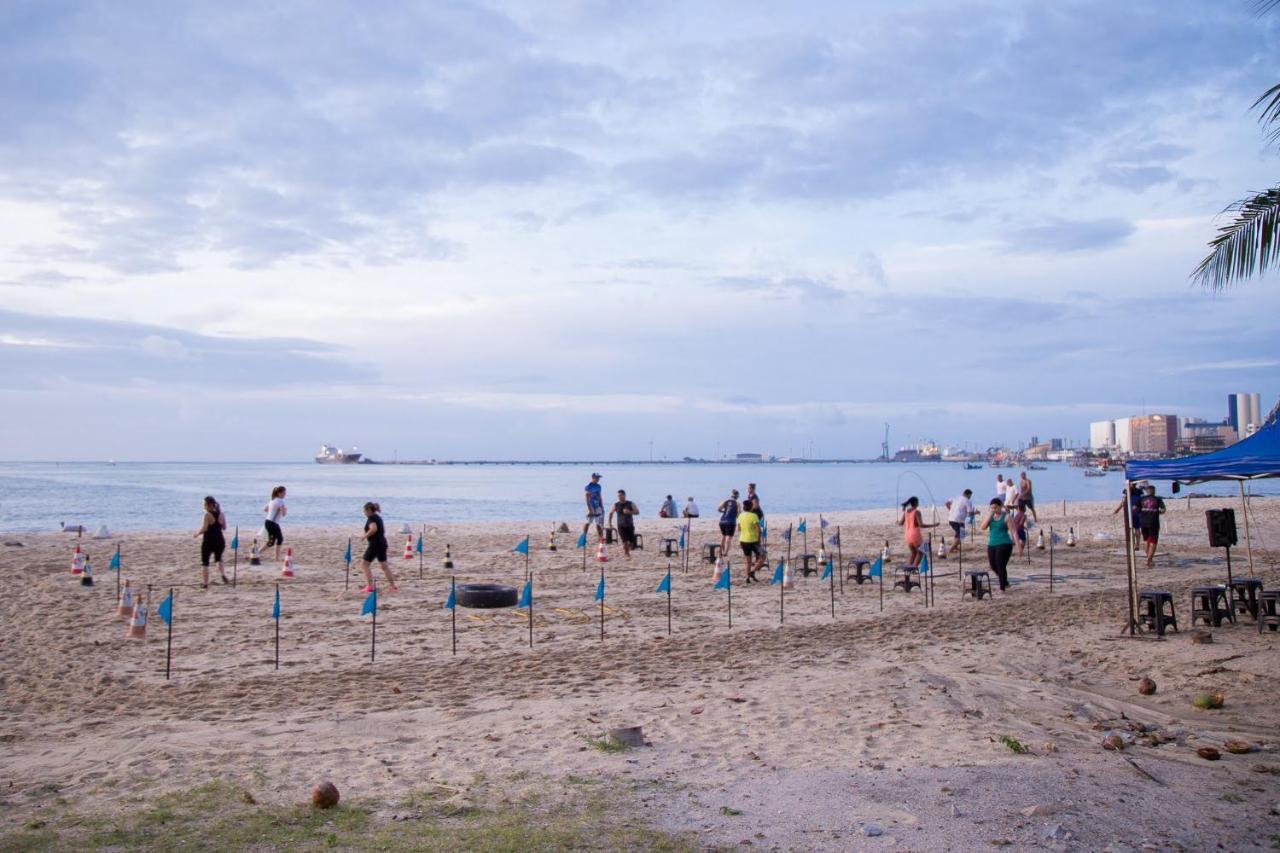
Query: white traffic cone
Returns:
{"type": "Point", "coordinates": [822, 556]}
{"type": "Point", "coordinates": [408, 547]}
{"type": "Point", "coordinates": [884, 555]}
{"type": "Point", "coordinates": [124, 607]}
{"type": "Point", "coordinates": [1071, 537]}
{"type": "Point", "coordinates": [86, 578]}
{"type": "Point", "coordinates": [786, 575]}
{"type": "Point", "coordinates": [287, 570]}
{"type": "Point", "coordinates": [942, 547]}
{"type": "Point", "coordinates": [138, 623]}
{"type": "Point", "coordinates": [255, 559]}
{"type": "Point", "coordinates": [1040, 541]}
{"type": "Point", "coordinates": [601, 556]}
{"type": "Point", "coordinates": [77, 561]}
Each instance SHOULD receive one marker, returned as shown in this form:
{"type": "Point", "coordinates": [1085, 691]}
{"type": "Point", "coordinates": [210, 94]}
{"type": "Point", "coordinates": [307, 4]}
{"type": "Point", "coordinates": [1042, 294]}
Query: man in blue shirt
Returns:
{"type": "Point", "coordinates": [595, 506]}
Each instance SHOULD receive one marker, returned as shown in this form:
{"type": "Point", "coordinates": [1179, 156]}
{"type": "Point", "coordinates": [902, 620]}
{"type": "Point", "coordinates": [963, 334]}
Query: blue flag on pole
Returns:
{"type": "Point", "coordinates": [115, 561]}
{"type": "Point", "coordinates": [826, 570]}
{"type": "Point", "coordinates": [526, 595]}
{"type": "Point", "coordinates": [777, 574]}
{"type": "Point", "coordinates": [723, 581]}
{"type": "Point", "coordinates": [452, 601]}
{"type": "Point", "coordinates": [802, 528]}
{"type": "Point", "coordinates": [165, 610]}
{"type": "Point", "coordinates": [275, 608]}
{"type": "Point", "coordinates": [682, 530]}
{"type": "Point", "coordinates": [418, 547]}
{"type": "Point", "coordinates": [786, 535]}
{"type": "Point", "coordinates": [600, 589]}
{"type": "Point", "coordinates": [235, 542]}
{"type": "Point", "coordinates": [582, 539]}
{"type": "Point", "coordinates": [834, 539]}
{"type": "Point", "coordinates": [877, 569]}
{"type": "Point", "coordinates": [346, 558]}
{"type": "Point", "coordinates": [764, 529]}
{"type": "Point", "coordinates": [924, 564]}
{"type": "Point", "coordinates": [665, 585]}
{"type": "Point", "coordinates": [370, 605]}
{"type": "Point", "coordinates": [823, 524]}
{"type": "Point", "coordinates": [1055, 538]}
{"type": "Point", "coordinates": [523, 547]}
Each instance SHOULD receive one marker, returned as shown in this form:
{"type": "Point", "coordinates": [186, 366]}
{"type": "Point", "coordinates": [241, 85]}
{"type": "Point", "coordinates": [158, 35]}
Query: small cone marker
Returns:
{"type": "Point", "coordinates": [1040, 541]}
{"type": "Point", "coordinates": [884, 555]}
{"type": "Point", "coordinates": [77, 561]}
{"type": "Point", "coordinates": [551, 540]}
{"type": "Point", "coordinates": [786, 575]}
{"type": "Point", "coordinates": [138, 623]}
{"type": "Point", "coordinates": [254, 558]}
{"type": "Point", "coordinates": [601, 556]}
{"type": "Point", "coordinates": [287, 570]}
{"type": "Point", "coordinates": [124, 608]}
{"type": "Point", "coordinates": [942, 547]}
{"type": "Point", "coordinates": [448, 557]}
{"type": "Point", "coordinates": [86, 579]}
{"type": "Point", "coordinates": [822, 556]}
{"type": "Point", "coordinates": [1071, 537]}
{"type": "Point", "coordinates": [408, 547]}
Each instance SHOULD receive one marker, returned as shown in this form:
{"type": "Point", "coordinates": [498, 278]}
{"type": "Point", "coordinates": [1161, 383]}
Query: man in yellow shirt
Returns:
{"type": "Point", "coordinates": [749, 538]}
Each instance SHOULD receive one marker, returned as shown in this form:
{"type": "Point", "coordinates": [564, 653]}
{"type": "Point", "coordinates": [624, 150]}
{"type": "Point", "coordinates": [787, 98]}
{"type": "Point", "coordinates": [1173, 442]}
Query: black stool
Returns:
{"type": "Point", "coordinates": [808, 564]}
{"type": "Point", "coordinates": [1246, 595]}
{"type": "Point", "coordinates": [1210, 604]}
{"type": "Point", "coordinates": [1154, 615]}
{"type": "Point", "coordinates": [639, 546]}
{"type": "Point", "coordinates": [858, 577]}
{"type": "Point", "coordinates": [979, 585]}
{"type": "Point", "coordinates": [910, 578]}
{"type": "Point", "coordinates": [669, 547]}
{"type": "Point", "coordinates": [709, 552]}
{"type": "Point", "coordinates": [1269, 610]}
{"type": "Point", "coordinates": [609, 536]}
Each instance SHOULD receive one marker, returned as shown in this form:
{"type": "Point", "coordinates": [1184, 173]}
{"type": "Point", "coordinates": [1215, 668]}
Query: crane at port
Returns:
{"type": "Point", "coordinates": [884, 447]}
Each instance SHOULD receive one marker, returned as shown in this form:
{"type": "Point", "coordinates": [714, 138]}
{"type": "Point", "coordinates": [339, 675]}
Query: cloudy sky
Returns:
{"type": "Point", "coordinates": [567, 230]}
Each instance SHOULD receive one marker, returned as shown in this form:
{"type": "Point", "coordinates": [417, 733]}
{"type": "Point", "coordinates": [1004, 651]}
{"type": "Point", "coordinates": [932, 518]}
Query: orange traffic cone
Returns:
{"type": "Point", "coordinates": [786, 575]}
{"type": "Point", "coordinates": [124, 608]}
{"type": "Point", "coordinates": [408, 547]}
{"type": "Point", "coordinates": [601, 556]}
{"type": "Point", "coordinates": [138, 624]}
{"type": "Point", "coordinates": [77, 562]}
{"type": "Point", "coordinates": [287, 570]}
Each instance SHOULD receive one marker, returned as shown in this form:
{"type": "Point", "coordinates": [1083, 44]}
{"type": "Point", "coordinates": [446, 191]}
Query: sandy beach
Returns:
{"type": "Point", "coordinates": [867, 730]}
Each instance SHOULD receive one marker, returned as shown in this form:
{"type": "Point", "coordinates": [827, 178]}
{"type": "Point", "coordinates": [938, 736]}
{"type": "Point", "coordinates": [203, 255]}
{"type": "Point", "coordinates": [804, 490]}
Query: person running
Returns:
{"type": "Point", "coordinates": [1018, 528]}
{"type": "Point", "coordinates": [912, 523]}
{"type": "Point", "coordinates": [275, 510]}
{"type": "Point", "coordinates": [1150, 508]}
{"type": "Point", "coordinates": [668, 508]}
{"type": "Point", "coordinates": [959, 509]}
{"type": "Point", "coordinates": [999, 543]}
{"type": "Point", "coordinates": [728, 510]}
{"type": "Point", "coordinates": [754, 497]}
{"type": "Point", "coordinates": [212, 542]}
{"type": "Point", "coordinates": [626, 512]}
{"type": "Point", "coordinates": [748, 530]}
{"type": "Point", "coordinates": [690, 509]}
{"type": "Point", "coordinates": [1010, 494]}
{"type": "Point", "coordinates": [595, 507]}
{"type": "Point", "coordinates": [1027, 500]}
{"type": "Point", "coordinates": [375, 548]}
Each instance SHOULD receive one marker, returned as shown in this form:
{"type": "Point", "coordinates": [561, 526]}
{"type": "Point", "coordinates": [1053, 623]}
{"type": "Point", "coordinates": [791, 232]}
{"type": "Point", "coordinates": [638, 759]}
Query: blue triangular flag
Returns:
{"type": "Point", "coordinates": [600, 589]}
{"type": "Point", "coordinates": [165, 610]}
{"type": "Point", "coordinates": [876, 570]}
{"type": "Point", "coordinates": [682, 530]}
{"type": "Point", "coordinates": [665, 585]}
{"type": "Point", "coordinates": [523, 547]}
{"type": "Point", "coordinates": [764, 529]}
{"type": "Point", "coordinates": [834, 539]}
{"type": "Point", "coordinates": [346, 558]}
{"type": "Point", "coordinates": [275, 608]}
{"type": "Point", "coordinates": [526, 595]}
{"type": "Point", "coordinates": [418, 547]}
{"type": "Point", "coordinates": [370, 604]}
{"type": "Point", "coordinates": [786, 535]}
{"type": "Point", "coordinates": [115, 561]}
{"type": "Point", "coordinates": [723, 581]}
{"type": "Point", "coordinates": [802, 527]}
{"type": "Point", "coordinates": [826, 570]}
{"type": "Point", "coordinates": [1055, 539]}
{"type": "Point", "coordinates": [777, 574]}
{"type": "Point", "coordinates": [924, 564]}
{"type": "Point", "coordinates": [823, 524]}
{"type": "Point", "coordinates": [452, 601]}
{"type": "Point", "coordinates": [582, 539]}
{"type": "Point", "coordinates": [235, 542]}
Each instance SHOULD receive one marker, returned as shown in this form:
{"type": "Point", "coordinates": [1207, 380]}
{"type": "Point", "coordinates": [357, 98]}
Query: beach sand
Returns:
{"type": "Point", "coordinates": [870, 729]}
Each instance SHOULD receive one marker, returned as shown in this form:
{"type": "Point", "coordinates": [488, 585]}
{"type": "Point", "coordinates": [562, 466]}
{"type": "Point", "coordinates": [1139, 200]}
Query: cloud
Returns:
{"type": "Point", "coordinates": [799, 287]}
{"type": "Point", "coordinates": [1061, 235]}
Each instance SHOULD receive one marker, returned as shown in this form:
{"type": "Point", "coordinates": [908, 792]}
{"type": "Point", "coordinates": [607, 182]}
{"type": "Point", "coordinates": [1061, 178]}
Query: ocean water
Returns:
{"type": "Point", "coordinates": [36, 496]}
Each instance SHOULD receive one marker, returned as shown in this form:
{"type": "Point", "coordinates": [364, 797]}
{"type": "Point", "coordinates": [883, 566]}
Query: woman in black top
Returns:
{"type": "Point", "coordinates": [375, 537]}
{"type": "Point", "coordinates": [728, 510]}
{"type": "Point", "coordinates": [212, 543]}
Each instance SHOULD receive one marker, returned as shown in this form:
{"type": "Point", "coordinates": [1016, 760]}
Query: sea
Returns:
{"type": "Point", "coordinates": [39, 496]}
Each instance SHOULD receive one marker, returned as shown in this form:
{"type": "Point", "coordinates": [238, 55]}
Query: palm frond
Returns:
{"type": "Point", "coordinates": [1270, 117]}
{"type": "Point", "coordinates": [1262, 7]}
{"type": "Point", "coordinates": [1249, 243]}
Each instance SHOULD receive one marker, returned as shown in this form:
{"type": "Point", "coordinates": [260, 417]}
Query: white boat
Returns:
{"type": "Point", "coordinates": [330, 455]}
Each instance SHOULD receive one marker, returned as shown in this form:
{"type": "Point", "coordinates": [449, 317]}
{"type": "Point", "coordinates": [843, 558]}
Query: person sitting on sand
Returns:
{"type": "Point", "coordinates": [626, 512]}
{"type": "Point", "coordinates": [375, 537]}
{"type": "Point", "coordinates": [748, 530]}
{"type": "Point", "coordinates": [911, 523]}
{"type": "Point", "coordinates": [212, 542]}
{"type": "Point", "coordinates": [668, 508]}
{"type": "Point", "coordinates": [690, 509]}
{"type": "Point", "coordinates": [999, 543]}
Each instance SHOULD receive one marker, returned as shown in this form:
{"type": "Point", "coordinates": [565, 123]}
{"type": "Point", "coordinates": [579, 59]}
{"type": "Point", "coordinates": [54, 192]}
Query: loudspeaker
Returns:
{"type": "Point", "coordinates": [1222, 527]}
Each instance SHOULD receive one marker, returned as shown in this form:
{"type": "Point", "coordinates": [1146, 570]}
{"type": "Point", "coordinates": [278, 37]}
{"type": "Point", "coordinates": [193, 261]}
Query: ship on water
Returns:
{"type": "Point", "coordinates": [330, 455]}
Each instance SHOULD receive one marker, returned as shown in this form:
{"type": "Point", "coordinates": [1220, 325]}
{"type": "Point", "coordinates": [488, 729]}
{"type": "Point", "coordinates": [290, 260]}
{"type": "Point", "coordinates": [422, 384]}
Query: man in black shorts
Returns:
{"type": "Point", "coordinates": [1150, 508]}
{"type": "Point", "coordinates": [626, 512]}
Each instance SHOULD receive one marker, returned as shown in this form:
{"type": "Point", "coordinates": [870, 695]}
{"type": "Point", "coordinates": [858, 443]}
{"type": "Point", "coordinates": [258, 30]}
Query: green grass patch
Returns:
{"type": "Point", "coordinates": [1014, 744]}
{"type": "Point", "coordinates": [606, 744]}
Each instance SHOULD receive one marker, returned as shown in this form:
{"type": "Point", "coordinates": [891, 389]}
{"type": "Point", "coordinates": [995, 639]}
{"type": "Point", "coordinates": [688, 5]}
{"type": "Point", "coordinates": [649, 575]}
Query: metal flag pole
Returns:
{"type": "Point", "coordinates": [833, 588]}
{"type": "Point", "coordinates": [602, 603]}
{"type": "Point", "coordinates": [782, 596]}
{"type": "Point", "coordinates": [1130, 561]}
{"type": "Point", "coordinates": [668, 598]}
{"type": "Point", "coordinates": [1051, 534]}
{"type": "Point", "coordinates": [789, 543]}
{"type": "Point", "coordinates": [373, 643]}
{"type": "Point", "coordinates": [119, 569]}
{"type": "Point", "coordinates": [168, 645]}
{"type": "Point", "coordinates": [882, 586]}
{"type": "Point", "coordinates": [346, 585]}
{"type": "Point", "coordinates": [728, 570]}
{"type": "Point", "coordinates": [235, 558]}
{"type": "Point", "coordinates": [840, 557]}
{"type": "Point", "coordinates": [529, 577]}
{"type": "Point", "coordinates": [453, 612]}
{"type": "Point", "coordinates": [530, 582]}
{"type": "Point", "coordinates": [277, 621]}
{"type": "Point", "coordinates": [1248, 541]}
{"type": "Point", "coordinates": [422, 537]}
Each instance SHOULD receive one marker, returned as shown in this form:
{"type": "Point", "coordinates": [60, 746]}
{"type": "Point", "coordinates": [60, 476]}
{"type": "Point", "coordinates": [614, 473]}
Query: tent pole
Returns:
{"type": "Point", "coordinates": [1244, 506]}
{"type": "Point", "coordinates": [1131, 562]}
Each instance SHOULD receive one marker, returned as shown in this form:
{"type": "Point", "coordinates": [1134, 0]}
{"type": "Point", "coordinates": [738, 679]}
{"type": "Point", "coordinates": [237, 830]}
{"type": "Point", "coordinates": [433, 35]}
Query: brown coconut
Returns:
{"type": "Point", "coordinates": [1146, 686]}
{"type": "Point", "coordinates": [1208, 753]}
{"type": "Point", "coordinates": [324, 795]}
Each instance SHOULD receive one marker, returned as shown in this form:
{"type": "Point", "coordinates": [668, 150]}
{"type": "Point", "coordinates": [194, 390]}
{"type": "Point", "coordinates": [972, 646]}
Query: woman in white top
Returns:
{"type": "Point", "coordinates": [275, 510]}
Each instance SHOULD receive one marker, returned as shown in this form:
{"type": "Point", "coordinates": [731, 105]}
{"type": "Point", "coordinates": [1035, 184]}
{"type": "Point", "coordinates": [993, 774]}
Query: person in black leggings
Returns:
{"type": "Point", "coordinates": [999, 542]}
{"type": "Point", "coordinates": [212, 543]}
{"type": "Point", "coordinates": [375, 537]}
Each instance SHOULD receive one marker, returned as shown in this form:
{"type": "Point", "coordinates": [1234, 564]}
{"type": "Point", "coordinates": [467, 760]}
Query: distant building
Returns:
{"type": "Point", "coordinates": [1153, 434]}
{"type": "Point", "coordinates": [1124, 434]}
{"type": "Point", "coordinates": [1102, 435]}
{"type": "Point", "coordinates": [1244, 409]}
{"type": "Point", "coordinates": [1055, 444]}
{"type": "Point", "coordinates": [749, 457]}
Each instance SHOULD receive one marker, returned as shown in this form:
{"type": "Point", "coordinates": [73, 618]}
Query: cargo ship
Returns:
{"type": "Point", "coordinates": [330, 455]}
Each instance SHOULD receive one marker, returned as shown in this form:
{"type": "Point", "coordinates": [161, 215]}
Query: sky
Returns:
{"type": "Point", "coordinates": [614, 230]}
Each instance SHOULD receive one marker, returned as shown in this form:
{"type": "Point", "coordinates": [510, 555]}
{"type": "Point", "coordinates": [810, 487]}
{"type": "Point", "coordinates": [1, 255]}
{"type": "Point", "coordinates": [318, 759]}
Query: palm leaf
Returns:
{"type": "Point", "coordinates": [1270, 103]}
{"type": "Point", "coordinates": [1249, 243]}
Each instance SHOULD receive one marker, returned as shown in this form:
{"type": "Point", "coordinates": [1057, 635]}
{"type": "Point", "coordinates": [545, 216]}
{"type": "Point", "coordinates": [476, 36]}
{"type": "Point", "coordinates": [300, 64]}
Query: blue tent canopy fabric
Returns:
{"type": "Point", "coordinates": [1254, 458]}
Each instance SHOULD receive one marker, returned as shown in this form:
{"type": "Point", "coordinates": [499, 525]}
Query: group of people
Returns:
{"type": "Point", "coordinates": [213, 523]}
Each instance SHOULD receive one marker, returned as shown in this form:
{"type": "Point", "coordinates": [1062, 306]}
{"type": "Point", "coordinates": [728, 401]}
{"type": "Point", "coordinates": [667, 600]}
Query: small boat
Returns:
{"type": "Point", "coordinates": [1037, 467]}
{"type": "Point", "coordinates": [972, 466]}
{"type": "Point", "coordinates": [1094, 472]}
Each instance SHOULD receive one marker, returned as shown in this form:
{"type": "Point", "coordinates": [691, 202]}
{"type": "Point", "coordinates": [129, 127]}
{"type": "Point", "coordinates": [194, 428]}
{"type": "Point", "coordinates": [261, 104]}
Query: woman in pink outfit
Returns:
{"type": "Point", "coordinates": [912, 524]}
